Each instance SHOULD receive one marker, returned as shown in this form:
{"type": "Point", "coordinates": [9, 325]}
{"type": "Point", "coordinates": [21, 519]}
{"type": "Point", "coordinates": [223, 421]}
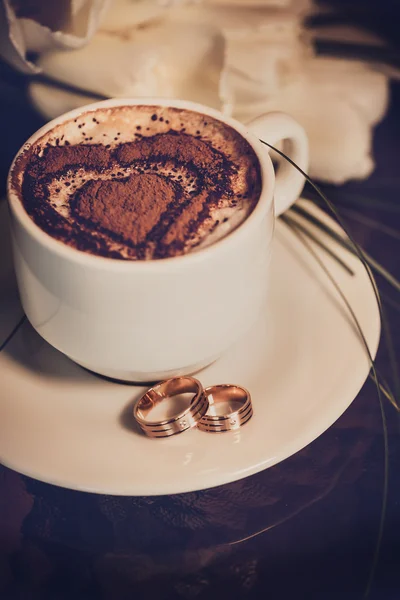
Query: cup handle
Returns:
{"type": "Point", "coordinates": [273, 128]}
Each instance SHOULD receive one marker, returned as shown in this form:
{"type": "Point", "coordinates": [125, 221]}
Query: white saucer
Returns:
{"type": "Point", "coordinates": [63, 425]}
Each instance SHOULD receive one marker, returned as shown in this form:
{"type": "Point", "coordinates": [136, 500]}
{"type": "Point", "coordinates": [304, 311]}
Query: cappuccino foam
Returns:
{"type": "Point", "coordinates": [139, 182]}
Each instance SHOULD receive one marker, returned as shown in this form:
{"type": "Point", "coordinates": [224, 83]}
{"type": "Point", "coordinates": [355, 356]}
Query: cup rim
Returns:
{"type": "Point", "coordinates": [85, 258]}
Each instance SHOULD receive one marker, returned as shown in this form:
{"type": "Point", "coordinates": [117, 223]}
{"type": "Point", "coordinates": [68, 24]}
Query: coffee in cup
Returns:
{"type": "Point", "coordinates": [139, 182]}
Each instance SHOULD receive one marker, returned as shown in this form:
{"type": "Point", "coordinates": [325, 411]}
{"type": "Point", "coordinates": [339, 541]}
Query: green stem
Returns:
{"type": "Point", "coordinates": [348, 244]}
{"type": "Point", "coordinates": [372, 223]}
{"type": "Point", "coordinates": [383, 415]}
{"type": "Point", "coordinates": [287, 219]}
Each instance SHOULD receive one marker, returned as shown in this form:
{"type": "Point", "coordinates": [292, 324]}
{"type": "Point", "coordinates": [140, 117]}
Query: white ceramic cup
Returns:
{"type": "Point", "coordinates": [150, 320]}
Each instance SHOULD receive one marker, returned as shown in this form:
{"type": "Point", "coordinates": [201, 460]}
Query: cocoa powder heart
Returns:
{"type": "Point", "coordinates": [129, 208]}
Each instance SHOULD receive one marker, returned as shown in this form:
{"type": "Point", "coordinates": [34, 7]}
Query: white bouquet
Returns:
{"type": "Point", "coordinates": [244, 57]}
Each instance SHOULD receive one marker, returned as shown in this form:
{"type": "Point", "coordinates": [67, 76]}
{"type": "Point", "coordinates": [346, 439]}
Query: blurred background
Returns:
{"type": "Point", "coordinates": [331, 64]}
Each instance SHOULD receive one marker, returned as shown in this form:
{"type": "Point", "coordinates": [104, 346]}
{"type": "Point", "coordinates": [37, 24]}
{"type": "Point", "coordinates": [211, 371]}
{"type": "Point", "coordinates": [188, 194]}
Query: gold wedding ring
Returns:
{"type": "Point", "coordinates": [232, 420]}
{"type": "Point", "coordinates": [178, 423]}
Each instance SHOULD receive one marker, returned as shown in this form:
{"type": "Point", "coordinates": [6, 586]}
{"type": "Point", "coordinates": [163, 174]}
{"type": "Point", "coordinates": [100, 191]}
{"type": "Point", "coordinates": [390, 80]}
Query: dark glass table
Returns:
{"type": "Point", "coordinates": [307, 528]}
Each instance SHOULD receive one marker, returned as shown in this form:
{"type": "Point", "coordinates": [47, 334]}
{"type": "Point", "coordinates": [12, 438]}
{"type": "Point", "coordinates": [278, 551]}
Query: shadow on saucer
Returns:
{"type": "Point", "coordinates": [126, 419]}
{"type": "Point", "coordinates": [30, 351]}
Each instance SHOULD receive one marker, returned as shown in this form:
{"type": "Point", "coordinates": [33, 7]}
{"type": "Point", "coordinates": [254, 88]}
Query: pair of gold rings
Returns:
{"type": "Point", "coordinates": [200, 413]}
